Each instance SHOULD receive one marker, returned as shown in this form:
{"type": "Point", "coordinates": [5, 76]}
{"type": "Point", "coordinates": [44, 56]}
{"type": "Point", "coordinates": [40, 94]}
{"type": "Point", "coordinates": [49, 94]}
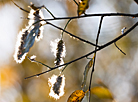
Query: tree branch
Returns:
{"type": "Point", "coordinates": [119, 48]}
{"type": "Point", "coordinates": [100, 24]}
{"type": "Point", "coordinates": [72, 34]}
{"type": "Point", "coordinates": [101, 47]}
{"type": "Point", "coordinates": [93, 15]}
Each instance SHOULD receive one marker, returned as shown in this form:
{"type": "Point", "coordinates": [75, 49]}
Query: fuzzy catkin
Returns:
{"type": "Point", "coordinates": [29, 34]}
{"type": "Point", "coordinates": [59, 56]}
{"type": "Point", "coordinates": [56, 87]}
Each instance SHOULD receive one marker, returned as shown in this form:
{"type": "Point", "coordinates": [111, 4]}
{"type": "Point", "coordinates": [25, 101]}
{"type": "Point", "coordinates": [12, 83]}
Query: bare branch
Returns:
{"type": "Point", "coordinates": [20, 7]}
{"type": "Point", "coordinates": [100, 48]}
{"type": "Point", "coordinates": [93, 15]}
{"type": "Point", "coordinates": [100, 24]}
{"type": "Point", "coordinates": [76, 2]}
{"type": "Point", "coordinates": [72, 34]}
{"type": "Point", "coordinates": [38, 62]}
{"type": "Point", "coordinates": [65, 27]}
{"type": "Point", "coordinates": [119, 48]}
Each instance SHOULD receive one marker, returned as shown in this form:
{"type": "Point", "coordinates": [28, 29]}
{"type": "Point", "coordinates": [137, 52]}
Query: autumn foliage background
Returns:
{"type": "Point", "coordinates": [118, 72]}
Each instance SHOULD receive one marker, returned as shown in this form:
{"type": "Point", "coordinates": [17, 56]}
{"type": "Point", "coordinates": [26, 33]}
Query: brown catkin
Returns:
{"type": "Point", "coordinates": [20, 50]}
{"type": "Point", "coordinates": [56, 87]}
{"type": "Point", "coordinates": [60, 47]}
{"type": "Point", "coordinates": [28, 35]}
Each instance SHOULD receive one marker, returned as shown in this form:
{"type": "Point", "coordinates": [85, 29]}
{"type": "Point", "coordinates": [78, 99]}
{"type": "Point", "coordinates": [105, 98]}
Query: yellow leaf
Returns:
{"type": "Point", "coordinates": [83, 5]}
{"type": "Point", "coordinates": [76, 96]}
{"type": "Point", "coordinates": [101, 92]}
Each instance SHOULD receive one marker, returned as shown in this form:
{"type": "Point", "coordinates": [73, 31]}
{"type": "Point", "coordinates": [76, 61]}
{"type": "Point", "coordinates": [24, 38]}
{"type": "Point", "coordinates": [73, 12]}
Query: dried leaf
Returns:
{"type": "Point", "coordinates": [101, 92]}
{"type": "Point", "coordinates": [83, 5]}
{"type": "Point", "coordinates": [76, 96]}
{"type": "Point", "coordinates": [88, 66]}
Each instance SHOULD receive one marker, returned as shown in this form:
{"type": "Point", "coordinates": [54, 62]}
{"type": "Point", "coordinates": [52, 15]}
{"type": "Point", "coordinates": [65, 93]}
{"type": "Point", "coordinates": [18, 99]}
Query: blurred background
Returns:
{"type": "Point", "coordinates": [118, 72]}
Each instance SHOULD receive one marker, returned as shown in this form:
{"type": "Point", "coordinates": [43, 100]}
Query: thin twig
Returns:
{"type": "Point", "coordinates": [100, 48]}
{"type": "Point", "coordinates": [64, 68]}
{"type": "Point", "coordinates": [100, 24]}
{"type": "Point", "coordinates": [76, 2]}
{"type": "Point", "coordinates": [93, 15]}
{"type": "Point", "coordinates": [76, 17]}
{"type": "Point", "coordinates": [49, 11]}
{"type": "Point", "coordinates": [20, 7]}
{"type": "Point", "coordinates": [119, 49]}
{"type": "Point", "coordinates": [89, 15]}
{"type": "Point", "coordinates": [81, 39]}
{"type": "Point", "coordinates": [72, 34]}
{"type": "Point", "coordinates": [39, 63]}
{"type": "Point", "coordinates": [65, 27]}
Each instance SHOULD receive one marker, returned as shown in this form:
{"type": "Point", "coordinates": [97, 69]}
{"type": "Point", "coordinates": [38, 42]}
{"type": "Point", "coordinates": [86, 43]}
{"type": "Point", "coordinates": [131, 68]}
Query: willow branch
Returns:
{"type": "Point", "coordinates": [119, 48]}
{"type": "Point", "coordinates": [49, 11]}
{"type": "Point", "coordinates": [100, 24]}
{"type": "Point", "coordinates": [100, 48]}
{"type": "Point", "coordinates": [72, 34]}
{"type": "Point", "coordinates": [94, 15]}
{"type": "Point", "coordinates": [75, 2]}
{"type": "Point", "coordinates": [65, 27]}
{"type": "Point", "coordinates": [38, 62]}
{"type": "Point", "coordinates": [20, 7]}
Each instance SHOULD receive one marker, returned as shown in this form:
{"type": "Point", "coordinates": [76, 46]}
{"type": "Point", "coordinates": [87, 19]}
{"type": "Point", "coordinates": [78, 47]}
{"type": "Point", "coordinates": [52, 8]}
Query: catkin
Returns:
{"type": "Point", "coordinates": [56, 87]}
{"type": "Point", "coordinates": [60, 48]}
{"type": "Point", "coordinates": [28, 35]}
